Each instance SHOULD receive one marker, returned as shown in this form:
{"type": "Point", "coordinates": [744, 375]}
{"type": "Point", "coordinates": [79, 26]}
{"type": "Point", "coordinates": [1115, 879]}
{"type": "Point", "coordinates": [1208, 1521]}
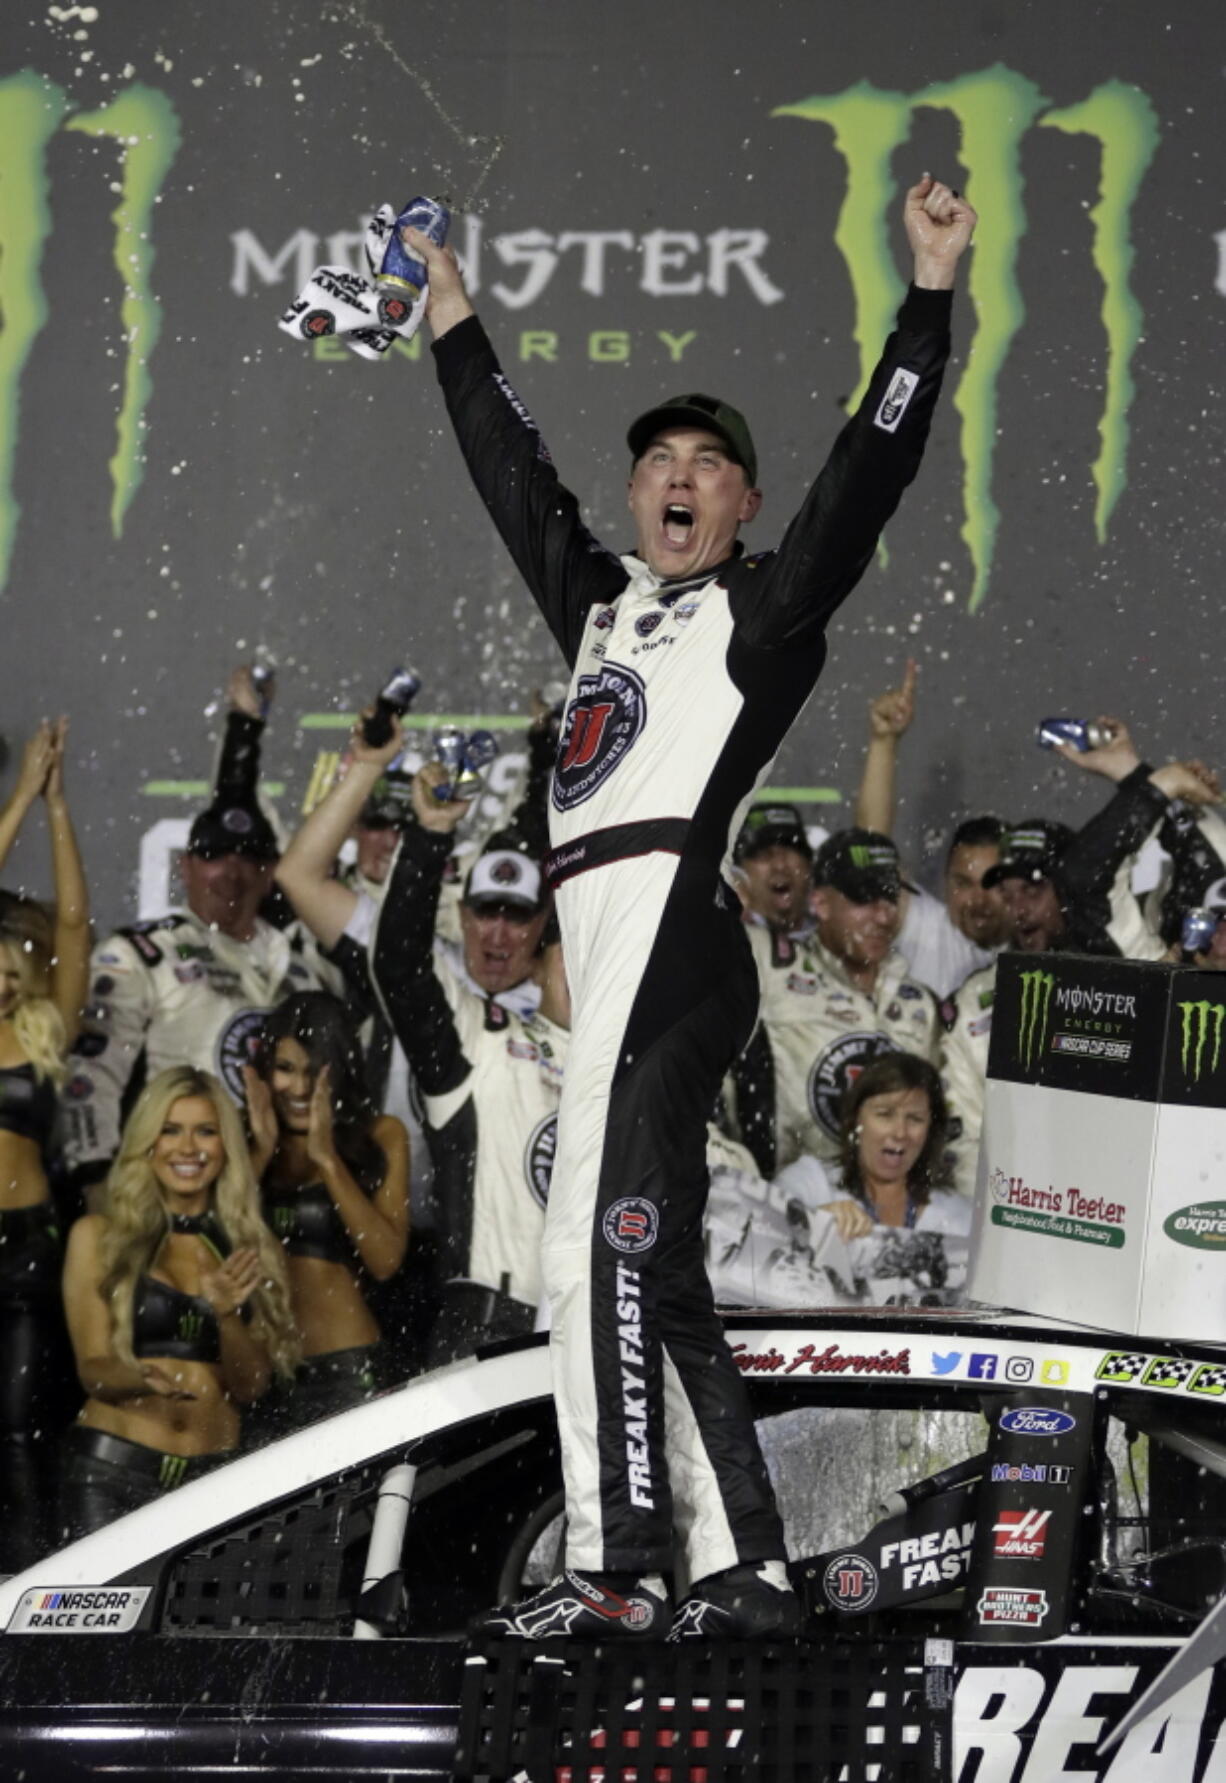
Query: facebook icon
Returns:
{"type": "Point", "coordinates": [982, 1367]}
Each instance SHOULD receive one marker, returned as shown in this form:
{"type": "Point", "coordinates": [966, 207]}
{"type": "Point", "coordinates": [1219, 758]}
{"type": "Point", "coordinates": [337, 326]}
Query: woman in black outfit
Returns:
{"type": "Point", "coordinates": [177, 1303]}
{"type": "Point", "coordinates": [334, 1188]}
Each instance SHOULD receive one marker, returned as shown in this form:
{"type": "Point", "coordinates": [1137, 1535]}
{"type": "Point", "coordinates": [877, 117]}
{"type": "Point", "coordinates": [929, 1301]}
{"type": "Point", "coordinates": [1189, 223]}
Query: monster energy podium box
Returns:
{"type": "Point", "coordinates": [1102, 1168]}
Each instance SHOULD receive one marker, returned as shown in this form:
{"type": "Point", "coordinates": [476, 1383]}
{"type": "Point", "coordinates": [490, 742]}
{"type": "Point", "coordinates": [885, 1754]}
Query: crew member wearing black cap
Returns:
{"type": "Point", "coordinates": [690, 662]}
{"type": "Point", "coordinates": [377, 833]}
{"type": "Point", "coordinates": [190, 988]}
{"type": "Point", "coordinates": [830, 1005]}
{"type": "Point", "coordinates": [1064, 891]}
{"type": "Point", "coordinates": [775, 858]}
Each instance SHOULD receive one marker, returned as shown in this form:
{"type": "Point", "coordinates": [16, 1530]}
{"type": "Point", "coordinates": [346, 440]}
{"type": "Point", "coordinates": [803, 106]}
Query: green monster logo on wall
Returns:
{"type": "Point", "coordinates": [1200, 1038]}
{"type": "Point", "coordinates": [994, 109]}
{"type": "Point", "coordinates": [144, 127]}
{"type": "Point", "coordinates": [1035, 1008]}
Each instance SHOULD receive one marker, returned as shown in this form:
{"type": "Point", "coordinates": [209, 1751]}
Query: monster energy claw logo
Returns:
{"type": "Point", "coordinates": [1035, 1008]}
{"type": "Point", "coordinates": [171, 1471]}
{"type": "Point", "coordinates": [1200, 1038]}
{"type": "Point", "coordinates": [995, 108]}
{"type": "Point", "coordinates": [142, 125]}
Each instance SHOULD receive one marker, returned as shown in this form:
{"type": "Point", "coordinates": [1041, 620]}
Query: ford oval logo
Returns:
{"type": "Point", "coordinates": [1037, 1420]}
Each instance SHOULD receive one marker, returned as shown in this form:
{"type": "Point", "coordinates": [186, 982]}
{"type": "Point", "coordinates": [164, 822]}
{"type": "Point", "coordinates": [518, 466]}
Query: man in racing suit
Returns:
{"type": "Point", "coordinates": [190, 988]}
{"type": "Point", "coordinates": [491, 1080]}
{"type": "Point", "coordinates": [488, 1072]}
{"type": "Point", "coordinates": [829, 1005]}
{"type": "Point", "coordinates": [690, 663]}
{"type": "Point", "coordinates": [1073, 893]}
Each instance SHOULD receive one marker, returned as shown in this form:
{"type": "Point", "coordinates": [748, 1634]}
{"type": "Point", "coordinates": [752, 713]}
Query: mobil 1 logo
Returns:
{"type": "Point", "coordinates": [1037, 1484]}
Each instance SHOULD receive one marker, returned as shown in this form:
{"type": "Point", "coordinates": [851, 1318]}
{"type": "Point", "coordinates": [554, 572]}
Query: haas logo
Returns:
{"type": "Point", "coordinates": [602, 723]}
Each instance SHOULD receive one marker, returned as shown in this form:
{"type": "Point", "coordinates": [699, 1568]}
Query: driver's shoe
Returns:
{"type": "Point", "coordinates": [583, 1606]}
{"type": "Point", "coordinates": [749, 1602]}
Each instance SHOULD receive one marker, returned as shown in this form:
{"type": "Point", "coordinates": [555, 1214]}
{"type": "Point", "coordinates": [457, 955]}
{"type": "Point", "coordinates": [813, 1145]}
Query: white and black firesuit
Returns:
{"type": "Point", "coordinates": [681, 694]}
{"type": "Point", "coordinates": [490, 1081]}
{"type": "Point", "coordinates": [817, 1032]}
{"type": "Point", "coordinates": [964, 1070]}
{"type": "Point", "coordinates": [174, 991]}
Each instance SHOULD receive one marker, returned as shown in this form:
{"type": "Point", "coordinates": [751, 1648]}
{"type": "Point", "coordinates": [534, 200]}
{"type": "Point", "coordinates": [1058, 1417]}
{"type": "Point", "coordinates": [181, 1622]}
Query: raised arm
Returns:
{"type": "Point", "coordinates": [567, 570]}
{"type": "Point", "coordinates": [237, 781]}
{"type": "Point", "coordinates": [36, 759]}
{"type": "Point", "coordinates": [829, 544]}
{"type": "Point", "coordinates": [305, 871]}
{"type": "Point", "coordinates": [889, 719]}
{"type": "Point", "coordinates": [403, 957]}
{"type": "Point", "coordinates": [70, 972]}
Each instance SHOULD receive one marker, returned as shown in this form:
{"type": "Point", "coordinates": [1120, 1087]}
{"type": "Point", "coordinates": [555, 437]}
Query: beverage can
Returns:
{"type": "Point", "coordinates": [402, 274]}
{"type": "Point", "coordinates": [1083, 733]}
{"type": "Point", "coordinates": [1197, 930]}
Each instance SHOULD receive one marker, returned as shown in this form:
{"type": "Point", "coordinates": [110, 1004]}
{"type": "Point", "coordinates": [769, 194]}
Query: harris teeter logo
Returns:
{"type": "Point", "coordinates": [995, 109]}
{"type": "Point", "coordinates": [1201, 1226]}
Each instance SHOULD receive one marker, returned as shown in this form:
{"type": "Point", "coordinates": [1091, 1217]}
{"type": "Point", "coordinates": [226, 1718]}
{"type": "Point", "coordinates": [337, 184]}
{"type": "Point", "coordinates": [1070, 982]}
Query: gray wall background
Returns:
{"type": "Point", "coordinates": [318, 506]}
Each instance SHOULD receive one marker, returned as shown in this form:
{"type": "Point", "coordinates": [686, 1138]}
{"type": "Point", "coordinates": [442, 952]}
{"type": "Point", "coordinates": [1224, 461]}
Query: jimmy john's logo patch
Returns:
{"type": "Point", "coordinates": [538, 1158]}
{"type": "Point", "coordinates": [602, 724]}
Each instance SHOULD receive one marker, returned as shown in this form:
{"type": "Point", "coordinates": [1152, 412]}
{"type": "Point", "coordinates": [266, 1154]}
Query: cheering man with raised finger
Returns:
{"type": "Point", "coordinates": [690, 662]}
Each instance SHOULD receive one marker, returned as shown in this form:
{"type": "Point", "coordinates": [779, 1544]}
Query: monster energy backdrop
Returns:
{"type": "Point", "coordinates": [693, 197]}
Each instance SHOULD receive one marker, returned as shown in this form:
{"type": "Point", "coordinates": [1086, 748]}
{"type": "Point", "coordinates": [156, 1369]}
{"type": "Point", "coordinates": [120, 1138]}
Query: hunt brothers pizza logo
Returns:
{"type": "Point", "coordinates": [1017, 1607]}
{"type": "Point", "coordinates": [603, 723]}
{"type": "Point", "coordinates": [810, 1360]}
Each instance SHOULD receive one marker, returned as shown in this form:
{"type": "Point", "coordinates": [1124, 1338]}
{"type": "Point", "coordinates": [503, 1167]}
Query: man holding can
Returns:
{"type": "Point", "coordinates": [689, 664]}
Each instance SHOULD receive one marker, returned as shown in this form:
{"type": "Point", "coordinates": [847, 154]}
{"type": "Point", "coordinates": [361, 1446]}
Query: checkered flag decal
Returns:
{"type": "Point", "coordinates": [1210, 1379]}
{"type": "Point", "coordinates": [1165, 1371]}
{"type": "Point", "coordinates": [1122, 1366]}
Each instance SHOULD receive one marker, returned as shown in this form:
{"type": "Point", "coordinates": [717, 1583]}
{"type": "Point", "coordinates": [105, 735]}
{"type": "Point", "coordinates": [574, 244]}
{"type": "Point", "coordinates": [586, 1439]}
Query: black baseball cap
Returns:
{"type": "Point", "coordinates": [771, 826]}
{"type": "Point", "coordinates": [1030, 851]}
{"type": "Point", "coordinates": [697, 410]}
{"type": "Point", "coordinates": [389, 804]}
{"type": "Point", "coordinates": [862, 864]}
{"type": "Point", "coordinates": [232, 829]}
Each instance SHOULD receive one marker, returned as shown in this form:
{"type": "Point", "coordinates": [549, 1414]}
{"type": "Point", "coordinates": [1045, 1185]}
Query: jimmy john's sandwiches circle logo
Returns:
{"type": "Point", "coordinates": [632, 1225]}
{"type": "Point", "coordinates": [539, 1156]}
{"type": "Point", "coordinates": [835, 1070]}
{"type": "Point", "coordinates": [236, 1047]}
{"type": "Point", "coordinates": [850, 1583]}
{"type": "Point", "coordinates": [603, 723]}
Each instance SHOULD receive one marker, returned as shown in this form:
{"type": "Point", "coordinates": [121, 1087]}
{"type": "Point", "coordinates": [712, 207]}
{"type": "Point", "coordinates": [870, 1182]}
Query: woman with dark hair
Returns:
{"type": "Point", "coordinates": [44, 978]}
{"type": "Point", "coordinates": [904, 1228]}
{"type": "Point", "coordinates": [892, 1146]}
{"type": "Point", "coordinates": [177, 1303]}
{"type": "Point", "coordinates": [334, 1183]}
